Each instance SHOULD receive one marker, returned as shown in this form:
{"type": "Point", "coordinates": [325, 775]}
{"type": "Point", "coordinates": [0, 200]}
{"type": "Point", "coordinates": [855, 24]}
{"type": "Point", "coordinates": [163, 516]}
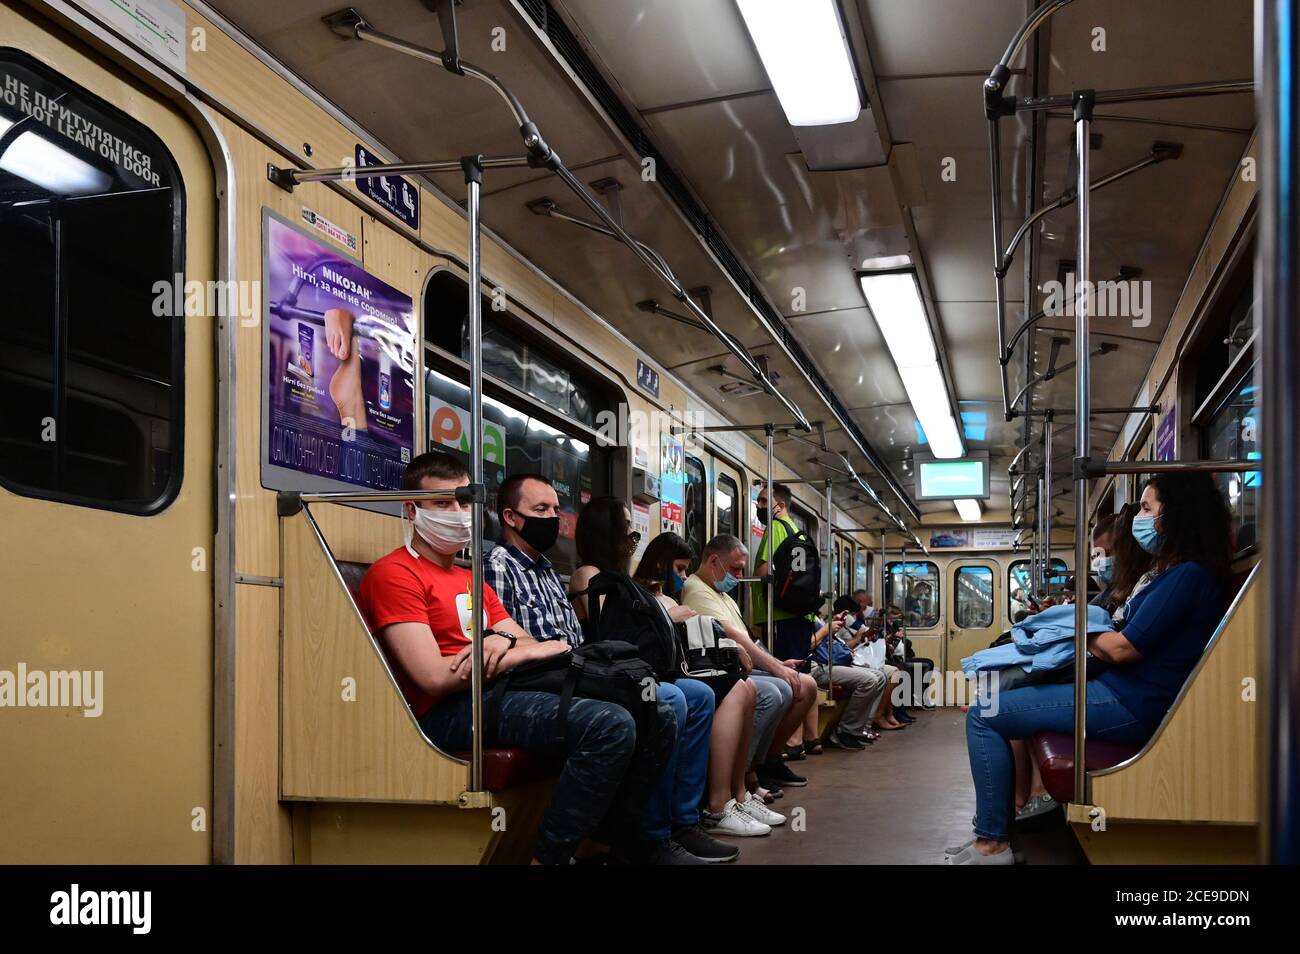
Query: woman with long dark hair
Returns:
{"type": "Point", "coordinates": [606, 543]}
{"type": "Point", "coordinates": [1182, 523]}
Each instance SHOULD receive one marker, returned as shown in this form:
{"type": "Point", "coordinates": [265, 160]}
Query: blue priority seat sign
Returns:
{"type": "Point", "coordinates": [394, 193]}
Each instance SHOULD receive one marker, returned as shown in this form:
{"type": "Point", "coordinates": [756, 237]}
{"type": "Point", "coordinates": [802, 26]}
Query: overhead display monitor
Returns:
{"type": "Point", "coordinates": [966, 478]}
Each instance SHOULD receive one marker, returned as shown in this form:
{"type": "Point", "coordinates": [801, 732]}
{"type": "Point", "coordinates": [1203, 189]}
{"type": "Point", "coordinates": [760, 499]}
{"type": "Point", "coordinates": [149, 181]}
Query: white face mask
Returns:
{"type": "Point", "coordinates": [447, 532]}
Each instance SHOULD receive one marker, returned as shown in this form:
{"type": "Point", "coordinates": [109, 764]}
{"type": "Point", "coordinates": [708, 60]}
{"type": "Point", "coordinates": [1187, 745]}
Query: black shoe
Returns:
{"type": "Point", "coordinates": [778, 772]}
{"type": "Point", "coordinates": [794, 753]}
{"type": "Point", "coordinates": [902, 715]}
{"type": "Point", "coordinates": [843, 740]}
{"type": "Point", "coordinates": [704, 846]}
{"type": "Point", "coordinates": [670, 852]}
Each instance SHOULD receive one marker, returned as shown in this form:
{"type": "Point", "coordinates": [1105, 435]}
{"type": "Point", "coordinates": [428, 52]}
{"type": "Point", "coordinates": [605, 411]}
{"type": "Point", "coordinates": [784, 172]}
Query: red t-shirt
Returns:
{"type": "Point", "coordinates": [400, 588]}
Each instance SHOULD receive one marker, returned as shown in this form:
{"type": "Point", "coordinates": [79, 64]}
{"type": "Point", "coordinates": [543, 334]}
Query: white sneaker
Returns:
{"type": "Point", "coordinates": [732, 821]}
{"type": "Point", "coordinates": [755, 809]}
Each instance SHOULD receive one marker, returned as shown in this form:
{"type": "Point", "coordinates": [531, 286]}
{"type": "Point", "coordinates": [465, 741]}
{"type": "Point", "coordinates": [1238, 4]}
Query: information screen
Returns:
{"type": "Point", "coordinates": [953, 479]}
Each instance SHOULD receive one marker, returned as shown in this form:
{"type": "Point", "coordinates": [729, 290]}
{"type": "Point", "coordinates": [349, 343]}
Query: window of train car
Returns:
{"type": "Point", "coordinates": [914, 589]}
{"type": "Point", "coordinates": [860, 569]}
{"type": "Point", "coordinates": [510, 356]}
{"type": "Point", "coordinates": [972, 597]}
{"type": "Point", "coordinates": [92, 225]}
{"type": "Point", "coordinates": [517, 440]}
{"type": "Point", "coordinates": [1226, 419]}
{"type": "Point", "coordinates": [696, 508]}
{"type": "Point", "coordinates": [1231, 433]}
{"type": "Point", "coordinates": [726, 498]}
{"type": "Point", "coordinates": [539, 412]}
{"type": "Point", "coordinates": [1018, 583]}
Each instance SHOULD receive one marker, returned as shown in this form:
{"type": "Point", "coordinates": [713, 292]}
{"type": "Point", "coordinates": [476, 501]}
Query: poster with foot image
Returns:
{"type": "Point", "coordinates": [338, 367]}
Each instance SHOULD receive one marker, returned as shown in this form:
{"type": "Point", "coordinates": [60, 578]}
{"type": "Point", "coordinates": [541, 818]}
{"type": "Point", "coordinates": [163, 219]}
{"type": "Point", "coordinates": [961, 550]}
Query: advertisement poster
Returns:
{"type": "Point", "coordinates": [985, 538]}
{"type": "Point", "coordinates": [1165, 436]}
{"type": "Point", "coordinates": [641, 525]}
{"type": "Point", "coordinates": [672, 485]}
{"type": "Point", "coordinates": [338, 350]}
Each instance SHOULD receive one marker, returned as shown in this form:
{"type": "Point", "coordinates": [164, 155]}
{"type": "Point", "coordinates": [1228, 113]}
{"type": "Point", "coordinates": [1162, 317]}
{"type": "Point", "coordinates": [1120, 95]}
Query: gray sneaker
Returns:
{"type": "Point", "coordinates": [969, 856]}
{"type": "Point", "coordinates": [1037, 805]}
{"type": "Point", "coordinates": [958, 849]}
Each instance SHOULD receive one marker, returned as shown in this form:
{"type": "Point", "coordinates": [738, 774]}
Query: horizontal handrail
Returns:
{"type": "Point", "coordinates": [1107, 468]}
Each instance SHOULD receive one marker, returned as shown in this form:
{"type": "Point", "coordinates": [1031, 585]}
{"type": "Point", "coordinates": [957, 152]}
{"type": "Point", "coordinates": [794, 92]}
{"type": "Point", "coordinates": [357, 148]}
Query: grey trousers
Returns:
{"type": "Point", "coordinates": [775, 697]}
{"type": "Point", "coordinates": [866, 687]}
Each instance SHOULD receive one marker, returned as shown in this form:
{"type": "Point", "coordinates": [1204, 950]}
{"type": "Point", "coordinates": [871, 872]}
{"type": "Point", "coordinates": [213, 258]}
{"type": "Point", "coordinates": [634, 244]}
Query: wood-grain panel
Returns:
{"type": "Point", "coordinates": [362, 750]}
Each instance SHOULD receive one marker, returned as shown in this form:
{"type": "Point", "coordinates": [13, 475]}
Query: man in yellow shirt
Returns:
{"type": "Point", "coordinates": [784, 695]}
{"type": "Point", "coordinates": [793, 633]}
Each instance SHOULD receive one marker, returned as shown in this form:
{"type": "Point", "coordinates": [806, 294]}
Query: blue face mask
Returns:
{"type": "Point", "coordinates": [726, 584]}
{"type": "Point", "coordinates": [1144, 532]}
{"type": "Point", "coordinates": [1103, 567]}
{"type": "Point", "coordinates": [672, 583]}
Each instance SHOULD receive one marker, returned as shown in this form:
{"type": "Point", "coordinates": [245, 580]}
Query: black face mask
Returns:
{"type": "Point", "coordinates": [540, 533]}
{"type": "Point", "coordinates": [761, 513]}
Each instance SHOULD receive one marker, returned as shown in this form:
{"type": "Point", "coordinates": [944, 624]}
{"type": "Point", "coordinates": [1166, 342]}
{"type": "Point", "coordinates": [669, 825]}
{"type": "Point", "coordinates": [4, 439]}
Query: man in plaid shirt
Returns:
{"type": "Point", "coordinates": [536, 599]}
{"type": "Point", "coordinates": [517, 569]}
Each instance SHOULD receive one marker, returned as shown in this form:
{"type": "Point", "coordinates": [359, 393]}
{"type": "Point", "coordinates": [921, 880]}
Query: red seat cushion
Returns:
{"type": "Point", "coordinates": [510, 768]}
{"type": "Point", "coordinates": [1054, 753]}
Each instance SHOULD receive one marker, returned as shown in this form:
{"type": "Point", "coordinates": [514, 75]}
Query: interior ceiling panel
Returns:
{"type": "Point", "coordinates": [848, 347]}
{"type": "Point", "coordinates": [418, 109]}
{"type": "Point", "coordinates": [924, 36]}
{"type": "Point", "coordinates": [665, 52]}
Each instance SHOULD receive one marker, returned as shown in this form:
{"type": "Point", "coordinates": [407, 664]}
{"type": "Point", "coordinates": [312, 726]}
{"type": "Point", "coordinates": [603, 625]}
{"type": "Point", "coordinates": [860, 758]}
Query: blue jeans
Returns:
{"type": "Point", "coordinates": [675, 802]}
{"type": "Point", "coordinates": [775, 697]}
{"type": "Point", "coordinates": [602, 789]}
{"type": "Point", "coordinates": [1020, 713]}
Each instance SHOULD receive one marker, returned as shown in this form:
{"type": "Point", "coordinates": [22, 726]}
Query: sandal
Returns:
{"type": "Point", "coordinates": [813, 748]}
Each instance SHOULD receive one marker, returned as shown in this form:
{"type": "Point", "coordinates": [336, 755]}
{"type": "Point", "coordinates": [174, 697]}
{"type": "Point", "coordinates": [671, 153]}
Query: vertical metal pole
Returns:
{"type": "Point", "coordinates": [473, 183]}
{"type": "Point", "coordinates": [1040, 583]}
{"type": "Point", "coordinates": [1047, 497]}
{"type": "Point", "coordinates": [999, 286]}
{"type": "Point", "coordinates": [830, 597]}
{"type": "Point", "coordinates": [768, 587]}
{"type": "Point", "coordinates": [884, 578]}
{"type": "Point", "coordinates": [1083, 103]}
{"type": "Point", "coordinates": [1278, 293]}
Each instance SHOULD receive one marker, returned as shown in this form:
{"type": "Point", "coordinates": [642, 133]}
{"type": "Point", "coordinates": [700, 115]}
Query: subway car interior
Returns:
{"type": "Point", "coordinates": [651, 432]}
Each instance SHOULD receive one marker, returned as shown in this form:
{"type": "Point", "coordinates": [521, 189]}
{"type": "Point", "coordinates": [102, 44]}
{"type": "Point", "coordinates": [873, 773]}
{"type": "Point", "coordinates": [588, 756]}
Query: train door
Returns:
{"type": "Point", "coordinates": [973, 619]}
{"type": "Point", "coordinates": [696, 508]}
{"type": "Point", "coordinates": [107, 416]}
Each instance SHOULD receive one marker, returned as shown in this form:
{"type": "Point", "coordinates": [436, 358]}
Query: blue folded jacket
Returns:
{"type": "Point", "coordinates": [1043, 642]}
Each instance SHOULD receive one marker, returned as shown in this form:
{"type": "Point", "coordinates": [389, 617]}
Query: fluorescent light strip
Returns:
{"type": "Point", "coordinates": [968, 510]}
{"type": "Point", "coordinates": [806, 55]}
{"type": "Point", "coordinates": [895, 302]}
{"type": "Point", "coordinates": [33, 157]}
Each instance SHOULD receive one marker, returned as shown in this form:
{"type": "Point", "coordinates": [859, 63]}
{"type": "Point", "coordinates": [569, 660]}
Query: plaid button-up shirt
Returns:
{"type": "Point", "coordinates": [532, 593]}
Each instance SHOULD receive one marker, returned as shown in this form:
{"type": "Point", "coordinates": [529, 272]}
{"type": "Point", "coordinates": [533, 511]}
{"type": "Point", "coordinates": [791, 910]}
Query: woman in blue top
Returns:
{"type": "Point", "coordinates": [1183, 523]}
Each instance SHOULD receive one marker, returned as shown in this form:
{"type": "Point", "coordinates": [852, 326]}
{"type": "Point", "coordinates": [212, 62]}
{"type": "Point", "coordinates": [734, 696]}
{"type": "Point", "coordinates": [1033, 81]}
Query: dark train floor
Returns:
{"type": "Point", "coordinates": [901, 801]}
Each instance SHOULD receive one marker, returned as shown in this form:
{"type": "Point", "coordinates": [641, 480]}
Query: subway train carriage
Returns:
{"type": "Point", "coordinates": [651, 432]}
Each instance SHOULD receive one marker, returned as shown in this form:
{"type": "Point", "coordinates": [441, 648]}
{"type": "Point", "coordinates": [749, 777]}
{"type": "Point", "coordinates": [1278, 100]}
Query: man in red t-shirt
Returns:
{"type": "Point", "coordinates": [417, 603]}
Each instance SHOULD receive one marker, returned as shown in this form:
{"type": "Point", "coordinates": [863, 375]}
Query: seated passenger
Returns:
{"type": "Point", "coordinates": [662, 571]}
{"type": "Point", "coordinates": [1183, 523]}
{"type": "Point", "coordinates": [865, 685]}
{"type": "Point", "coordinates": [417, 603]}
{"type": "Point", "coordinates": [534, 595]}
{"type": "Point", "coordinates": [707, 591]}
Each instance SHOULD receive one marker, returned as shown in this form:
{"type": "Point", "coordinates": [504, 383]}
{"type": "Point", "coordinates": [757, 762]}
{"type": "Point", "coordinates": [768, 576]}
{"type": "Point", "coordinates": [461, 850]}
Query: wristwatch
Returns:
{"type": "Point", "coordinates": [493, 632]}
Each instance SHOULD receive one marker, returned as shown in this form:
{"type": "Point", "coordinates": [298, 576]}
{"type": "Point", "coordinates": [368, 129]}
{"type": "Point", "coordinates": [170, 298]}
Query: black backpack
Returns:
{"type": "Point", "coordinates": [611, 671]}
{"type": "Point", "coordinates": [631, 613]}
{"type": "Point", "coordinates": [797, 591]}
